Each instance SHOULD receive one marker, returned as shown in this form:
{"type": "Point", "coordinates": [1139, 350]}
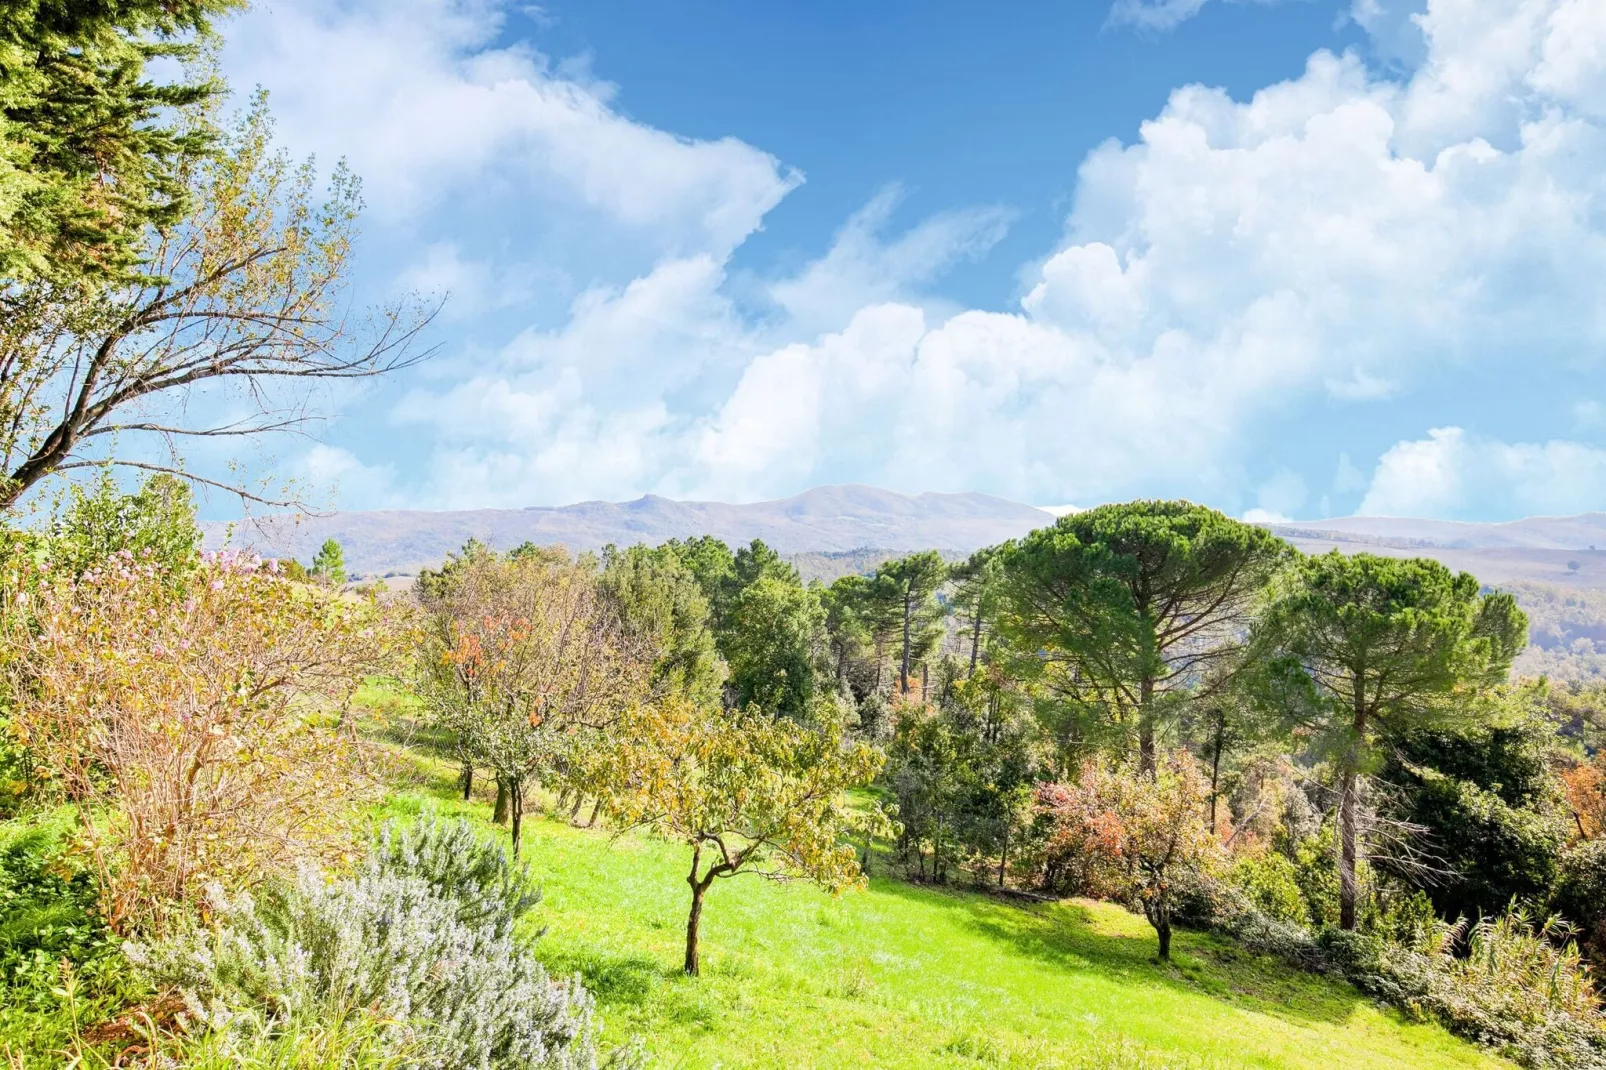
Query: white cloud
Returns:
{"type": "Point", "coordinates": [345, 477]}
{"type": "Point", "coordinates": [431, 108]}
{"type": "Point", "coordinates": [1361, 386]}
{"type": "Point", "coordinates": [1347, 477]}
{"type": "Point", "coordinates": [1342, 235]}
{"type": "Point", "coordinates": [1154, 14]}
{"type": "Point", "coordinates": [1161, 15]}
{"type": "Point", "coordinates": [1284, 494]}
{"type": "Point", "coordinates": [862, 268]}
{"type": "Point", "coordinates": [1454, 475]}
{"type": "Point", "coordinates": [1240, 259]}
{"type": "Point", "coordinates": [1264, 516]}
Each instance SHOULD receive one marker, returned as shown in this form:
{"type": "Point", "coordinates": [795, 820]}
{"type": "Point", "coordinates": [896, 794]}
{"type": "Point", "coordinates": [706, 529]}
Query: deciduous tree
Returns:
{"type": "Point", "coordinates": [524, 663]}
{"type": "Point", "coordinates": [242, 300]}
{"type": "Point", "coordinates": [745, 792]}
{"type": "Point", "coordinates": [185, 713]}
{"type": "Point", "coordinates": [774, 641]}
{"type": "Point", "coordinates": [1134, 834]}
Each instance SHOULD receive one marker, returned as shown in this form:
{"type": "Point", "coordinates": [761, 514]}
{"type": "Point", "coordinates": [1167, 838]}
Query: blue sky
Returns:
{"type": "Point", "coordinates": [1297, 258]}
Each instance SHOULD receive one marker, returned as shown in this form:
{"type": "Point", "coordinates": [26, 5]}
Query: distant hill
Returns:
{"type": "Point", "coordinates": [828, 520]}
{"type": "Point", "coordinates": [1556, 566]}
{"type": "Point", "coordinates": [1569, 552]}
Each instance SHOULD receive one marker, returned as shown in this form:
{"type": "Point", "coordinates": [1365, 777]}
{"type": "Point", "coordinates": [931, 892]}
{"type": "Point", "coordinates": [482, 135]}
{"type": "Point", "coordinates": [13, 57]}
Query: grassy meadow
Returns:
{"type": "Point", "coordinates": [901, 975]}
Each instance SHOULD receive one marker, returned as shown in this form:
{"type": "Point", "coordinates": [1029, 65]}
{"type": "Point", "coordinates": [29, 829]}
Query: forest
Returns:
{"type": "Point", "coordinates": [1145, 787]}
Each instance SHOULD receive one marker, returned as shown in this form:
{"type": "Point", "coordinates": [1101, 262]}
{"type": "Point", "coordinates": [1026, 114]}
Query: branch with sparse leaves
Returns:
{"type": "Point", "coordinates": [244, 300]}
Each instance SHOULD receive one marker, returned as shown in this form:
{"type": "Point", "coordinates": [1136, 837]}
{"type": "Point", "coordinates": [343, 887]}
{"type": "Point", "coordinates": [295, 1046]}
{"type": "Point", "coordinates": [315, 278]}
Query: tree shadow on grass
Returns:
{"type": "Point", "coordinates": [636, 984]}
{"type": "Point", "coordinates": [1064, 935]}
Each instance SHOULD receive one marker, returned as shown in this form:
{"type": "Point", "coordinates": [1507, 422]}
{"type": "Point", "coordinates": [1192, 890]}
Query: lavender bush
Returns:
{"type": "Point", "coordinates": [420, 940]}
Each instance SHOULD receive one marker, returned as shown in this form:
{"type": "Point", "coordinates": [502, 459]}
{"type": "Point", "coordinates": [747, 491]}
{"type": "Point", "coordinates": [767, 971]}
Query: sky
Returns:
{"type": "Point", "coordinates": [1291, 258]}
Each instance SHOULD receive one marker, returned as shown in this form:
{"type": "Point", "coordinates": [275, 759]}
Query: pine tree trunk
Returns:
{"type": "Point", "coordinates": [1146, 755]}
{"type": "Point", "coordinates": [975, 641]}
{"type": "Point", "coordinates": [1003, 855]}
{"type": "Point", "coordinates": [1349, 790]}
{"type": "Point", "coordinates": [903, 671]}
{"type": "Point", "coordinates": [1215, 764]}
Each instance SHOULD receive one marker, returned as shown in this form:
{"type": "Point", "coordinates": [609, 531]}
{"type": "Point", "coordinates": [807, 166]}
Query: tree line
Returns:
{"type": "Point", "coordinates": [1093, 708]}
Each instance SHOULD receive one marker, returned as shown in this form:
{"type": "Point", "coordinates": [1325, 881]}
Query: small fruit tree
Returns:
{"type": "Point", "coordinates": [747, 794]}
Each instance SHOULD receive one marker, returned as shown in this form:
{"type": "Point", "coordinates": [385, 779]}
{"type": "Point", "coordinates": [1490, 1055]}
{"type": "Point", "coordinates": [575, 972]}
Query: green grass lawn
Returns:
{"type": "Point", "coordinates": [907, 976]}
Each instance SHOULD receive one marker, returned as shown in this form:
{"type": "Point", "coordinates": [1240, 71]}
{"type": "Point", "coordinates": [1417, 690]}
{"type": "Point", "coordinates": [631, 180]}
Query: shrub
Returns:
{"type": "Point", "coordinates": [416, 949]}
{"type": "Point", "coordinates": [1270, 882]}
{"type": "Point", "coordinates": [60, 966]}
{"type": "Point", "coordinates": [185, 714]}
{"type": "Point", "coordinates": [1521, 989]}
{"type": "Point", "coordinates": [1580, 894]}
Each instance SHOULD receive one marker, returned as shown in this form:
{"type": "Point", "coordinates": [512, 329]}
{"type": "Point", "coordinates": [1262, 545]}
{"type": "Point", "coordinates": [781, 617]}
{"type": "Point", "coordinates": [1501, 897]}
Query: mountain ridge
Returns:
{"type": "Point", "coordinates": [823, 519]}
{"type": "Point", "coordinates": [836, 519]}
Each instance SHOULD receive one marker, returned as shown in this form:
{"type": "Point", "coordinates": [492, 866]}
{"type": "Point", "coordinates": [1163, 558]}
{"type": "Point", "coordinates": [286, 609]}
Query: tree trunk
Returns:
{"type": "Point", "coordinates": [574, 811]}
{"type": "Point", "coordinates": [903, 671]}
{"type": "Point", "coordinates": [1003, 855]}
{"type": "Point", "coordinates": [1163, 931]}
{"type": "Point", "coordinates": [1146, 756]}
{"type": "Point", "coordinates": [1215, 764]}
{"type": "Point", "coordinates": [468, 780]}
{"type": "Point", "coordinates": [596, 810]}
{"type": "Point", "coordinates": [1349, 788]}
{"type": "Point", "coordinates": [924, 686]}
{"type": "Point", "coordinates": [698, 887]}
{"type": "Point", "coordinates": [975, 641]}
{"type": "Point", "coordinates": [516, 807]}
{"type": "Point", "coordinates": [499, 812]}
{"type": "Point", "coordinates": [1349, 791]}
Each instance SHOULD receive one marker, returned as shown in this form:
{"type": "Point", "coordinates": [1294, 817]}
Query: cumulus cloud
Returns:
{"type": "Point", "coordinates": [1240, 259]}
{"type": "Point", "coordinates": [1338, 239]}
{"type": "Point", "coordinates": [430, 108]}
{"type": "Point", "coordinates": [1452, 474]}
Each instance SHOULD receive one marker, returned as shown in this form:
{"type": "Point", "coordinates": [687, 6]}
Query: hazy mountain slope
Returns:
{"type": "Point", "coordinates": [1492, 566]}
{"type": "Point", "coordinates": [1567, 533]}
{"type": "Point", "coordinates": [825, 519]}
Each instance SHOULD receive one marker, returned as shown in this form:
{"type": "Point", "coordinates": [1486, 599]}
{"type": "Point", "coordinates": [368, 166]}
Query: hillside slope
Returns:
{"type": "Point", "coordinates": [906, 976]}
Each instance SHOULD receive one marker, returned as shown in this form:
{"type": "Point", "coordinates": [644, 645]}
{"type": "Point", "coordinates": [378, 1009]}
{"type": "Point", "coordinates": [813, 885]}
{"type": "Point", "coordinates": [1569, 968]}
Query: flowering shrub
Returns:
{"type": "Point", "coordinates": [189, 716]}
{"type": "Point", "coordinates": [418, 944]}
